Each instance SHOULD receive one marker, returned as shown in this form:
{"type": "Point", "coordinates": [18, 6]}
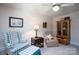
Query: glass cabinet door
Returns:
{"type": "Point", "coordinates": [58, 28]}
{"type": "Point", "coordinates": [64, 28]}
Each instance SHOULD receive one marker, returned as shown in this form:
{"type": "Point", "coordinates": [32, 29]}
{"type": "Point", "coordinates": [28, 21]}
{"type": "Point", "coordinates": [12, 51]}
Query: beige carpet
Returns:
{"type": "Point", "coordinates": [60, 50]}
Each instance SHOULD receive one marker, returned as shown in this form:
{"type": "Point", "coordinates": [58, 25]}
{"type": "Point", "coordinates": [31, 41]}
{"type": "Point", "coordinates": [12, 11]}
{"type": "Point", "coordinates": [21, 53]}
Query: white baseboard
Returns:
{"type": "Point", "coordinates": [75, 44]}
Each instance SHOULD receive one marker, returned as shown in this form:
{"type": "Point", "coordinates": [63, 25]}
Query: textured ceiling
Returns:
{"type": "Point", "coordinates": [42, 8]}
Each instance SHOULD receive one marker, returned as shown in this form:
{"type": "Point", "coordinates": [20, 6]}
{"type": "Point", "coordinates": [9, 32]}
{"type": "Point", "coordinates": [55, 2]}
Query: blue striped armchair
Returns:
{"type": "Point", "coordinates": [14, 43]}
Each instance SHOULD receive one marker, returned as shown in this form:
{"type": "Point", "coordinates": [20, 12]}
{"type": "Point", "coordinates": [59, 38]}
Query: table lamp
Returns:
{"type": "Point", "coordinates": [36, 28]}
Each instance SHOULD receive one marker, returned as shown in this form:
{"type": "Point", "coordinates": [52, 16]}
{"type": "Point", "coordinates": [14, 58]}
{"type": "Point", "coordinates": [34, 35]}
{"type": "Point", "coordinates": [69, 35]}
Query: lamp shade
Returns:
{"type": "Point", "coordinates": [36, 27]}
{"type": "Point", "coordinates": [56, 8]}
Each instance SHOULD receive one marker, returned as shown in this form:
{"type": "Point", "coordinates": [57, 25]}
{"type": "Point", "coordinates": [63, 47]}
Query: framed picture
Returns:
{"type": "Point", "coordinates": [15, 22]}
{"type": "Point", "coordinates": [44, 24]}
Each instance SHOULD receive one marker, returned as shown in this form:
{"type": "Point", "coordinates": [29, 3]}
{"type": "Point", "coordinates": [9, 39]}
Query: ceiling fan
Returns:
{"type": "Point", "coordinates": [57, 6]}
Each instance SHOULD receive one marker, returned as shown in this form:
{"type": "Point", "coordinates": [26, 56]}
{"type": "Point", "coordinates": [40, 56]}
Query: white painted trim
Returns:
{"type": "Point", "coordinates": [75, 44]}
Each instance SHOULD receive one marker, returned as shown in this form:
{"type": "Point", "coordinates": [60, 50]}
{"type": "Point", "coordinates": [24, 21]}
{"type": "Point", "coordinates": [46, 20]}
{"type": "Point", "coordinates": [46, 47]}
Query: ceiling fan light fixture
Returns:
{"type": "Point", "coordinates": [56, 8]}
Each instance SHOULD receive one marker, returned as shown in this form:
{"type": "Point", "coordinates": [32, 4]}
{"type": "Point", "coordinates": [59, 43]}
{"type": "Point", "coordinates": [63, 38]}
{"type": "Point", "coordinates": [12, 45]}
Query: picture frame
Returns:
{"type": "Point", "coordinates": [15, 22]}
{"type": "Point", "coordinates": [44, 24]}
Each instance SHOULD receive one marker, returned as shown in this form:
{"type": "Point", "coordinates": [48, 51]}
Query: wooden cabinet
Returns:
{"type": "Point", "coordinates": [39, 41]}
{"type": "Point", "coordinates": [63, 31]}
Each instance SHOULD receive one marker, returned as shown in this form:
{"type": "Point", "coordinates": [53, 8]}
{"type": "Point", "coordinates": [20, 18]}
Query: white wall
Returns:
{"type": "Point", "coordinates": [31, 17]}
{"type": "Point", "coordinates": [36, 14]}
{"type": "Point", "coordinates": [74, 26]}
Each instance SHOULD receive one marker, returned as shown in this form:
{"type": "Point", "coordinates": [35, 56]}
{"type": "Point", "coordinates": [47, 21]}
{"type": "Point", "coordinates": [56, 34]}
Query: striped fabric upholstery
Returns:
{"type": "Point", "coordinates": [13, 41]}
{"type": "Point", "coordinates": [32, 50]}
{"type": "Point", "coordinates": [7, 39]}
{"type": "Point", "coordinates": [19, 35]}
{"type": "Point", "coordinates": [11, 38]}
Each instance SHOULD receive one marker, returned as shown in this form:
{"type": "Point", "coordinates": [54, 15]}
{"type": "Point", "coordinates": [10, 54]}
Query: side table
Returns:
{"type": "Point", "coordinates": [39, 41]}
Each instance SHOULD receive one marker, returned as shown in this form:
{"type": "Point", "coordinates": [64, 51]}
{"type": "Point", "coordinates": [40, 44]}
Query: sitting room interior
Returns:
{"type": "Point", "coordinates": [39, 28]}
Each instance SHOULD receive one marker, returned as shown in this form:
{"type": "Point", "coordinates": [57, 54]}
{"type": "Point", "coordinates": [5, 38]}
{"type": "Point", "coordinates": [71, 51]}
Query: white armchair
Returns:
{"type": "Point", "coordinates": [51, 41]}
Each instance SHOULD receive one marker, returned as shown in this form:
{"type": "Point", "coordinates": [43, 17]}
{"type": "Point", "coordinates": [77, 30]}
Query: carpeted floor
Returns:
{"type": "Point", "coordinates": [60, 50]}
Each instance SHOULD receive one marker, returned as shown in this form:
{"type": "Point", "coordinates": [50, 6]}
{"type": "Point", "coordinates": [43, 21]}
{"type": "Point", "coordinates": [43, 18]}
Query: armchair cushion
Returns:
{"type": "Point", "coordinates": [49, 37]}
{"type": "Point", "coordinates": [14, 38]}
{"type": "Point", "coordinates": [21, 38]}
{"type": "Point", "coordinates": [18, 47]}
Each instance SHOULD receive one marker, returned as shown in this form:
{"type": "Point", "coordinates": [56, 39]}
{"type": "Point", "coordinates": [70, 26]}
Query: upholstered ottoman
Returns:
{"type": "Point", "coordinates": [32, 50]}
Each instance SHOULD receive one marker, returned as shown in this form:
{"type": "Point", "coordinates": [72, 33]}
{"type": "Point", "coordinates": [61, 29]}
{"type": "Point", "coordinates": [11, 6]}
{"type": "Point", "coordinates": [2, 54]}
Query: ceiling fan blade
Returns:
{"type": "Point", "coordinates": [67, 4]}
{"type": "Point", "coordinates": [47, 4]}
